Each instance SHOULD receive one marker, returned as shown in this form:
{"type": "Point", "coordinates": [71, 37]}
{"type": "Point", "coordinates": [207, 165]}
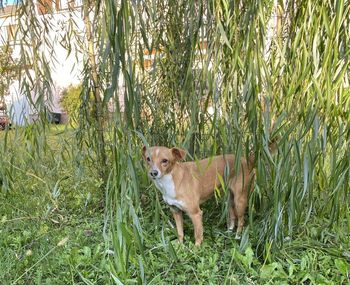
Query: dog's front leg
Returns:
{"type": "Point", "coordinates": [177, 214]}
{"type": "Point", "coordinates": [196, 217]}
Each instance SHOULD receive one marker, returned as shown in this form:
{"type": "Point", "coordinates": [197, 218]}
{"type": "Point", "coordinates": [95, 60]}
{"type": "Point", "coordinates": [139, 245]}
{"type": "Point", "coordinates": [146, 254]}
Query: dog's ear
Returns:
{"type": "Point", "coordinates": [178, 153]}
{"type": "Point", "coordinates": [144, 152]}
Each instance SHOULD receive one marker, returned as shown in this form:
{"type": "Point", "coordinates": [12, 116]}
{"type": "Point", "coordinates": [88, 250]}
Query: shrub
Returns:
{"type": "Point", "coordinates": [71, 100]}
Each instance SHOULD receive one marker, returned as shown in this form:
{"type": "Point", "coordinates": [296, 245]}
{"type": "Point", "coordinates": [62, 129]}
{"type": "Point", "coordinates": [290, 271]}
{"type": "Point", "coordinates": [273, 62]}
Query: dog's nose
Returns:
{"type": "Point", "coordinates": [154, 173]}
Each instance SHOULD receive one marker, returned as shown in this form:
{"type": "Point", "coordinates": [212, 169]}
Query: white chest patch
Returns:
{"type": "Point", "coordinates": [167, 187]}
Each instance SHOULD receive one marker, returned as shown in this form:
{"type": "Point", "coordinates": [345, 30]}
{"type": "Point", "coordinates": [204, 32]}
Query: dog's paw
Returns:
{"type": "Point", "coordinates": [237, 236]}
{"type": "Point", "coordinates": [231, 226]}
{"type": "Point", "coordinates": [230, 229]}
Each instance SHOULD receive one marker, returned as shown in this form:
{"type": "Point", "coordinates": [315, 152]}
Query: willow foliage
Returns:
{"type": "Point", "coordinates": [210, 76]}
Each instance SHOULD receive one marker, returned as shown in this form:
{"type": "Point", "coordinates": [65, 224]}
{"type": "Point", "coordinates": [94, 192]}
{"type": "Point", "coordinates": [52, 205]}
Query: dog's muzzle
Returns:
{"type": "Point", "coordinates": [154, 173]}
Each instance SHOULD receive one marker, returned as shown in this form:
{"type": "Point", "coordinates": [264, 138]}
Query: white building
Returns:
{"type": "Point", "coordinates": [65, 68]}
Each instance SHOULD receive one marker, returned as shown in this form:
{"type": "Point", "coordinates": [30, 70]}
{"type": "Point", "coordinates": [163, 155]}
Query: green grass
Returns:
{"type": "Point", "coordinates": [37, 213]}
{"type": "Point", "coordinates": [44, 205]}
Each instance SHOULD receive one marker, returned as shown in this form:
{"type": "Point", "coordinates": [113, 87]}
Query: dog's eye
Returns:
{"type": "Point", "coordinates": [164, 160]}
{"type": "Point", "coordinates": [148, 159]}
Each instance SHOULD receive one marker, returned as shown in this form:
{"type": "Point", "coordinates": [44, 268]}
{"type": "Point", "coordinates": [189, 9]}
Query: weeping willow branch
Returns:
{"type": "Point", "coordinates": [98, 111]}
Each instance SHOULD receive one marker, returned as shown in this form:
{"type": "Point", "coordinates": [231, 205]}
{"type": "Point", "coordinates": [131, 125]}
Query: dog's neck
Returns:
{"type": "Point", "coordinates": [167, 186]}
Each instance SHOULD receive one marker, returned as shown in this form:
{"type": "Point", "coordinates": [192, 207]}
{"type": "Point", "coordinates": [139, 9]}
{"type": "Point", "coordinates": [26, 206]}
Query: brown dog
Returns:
{"type": "Point", "coordinates": [185, 185]}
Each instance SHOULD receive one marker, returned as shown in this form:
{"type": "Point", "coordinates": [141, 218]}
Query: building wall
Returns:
{"type": "Point", "coordinates": [65, 68]}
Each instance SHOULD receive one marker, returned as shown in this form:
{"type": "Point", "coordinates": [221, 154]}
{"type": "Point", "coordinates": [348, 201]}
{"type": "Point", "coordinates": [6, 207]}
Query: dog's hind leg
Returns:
{"type": "Point", "coordinates": [232, 217]}
{"type": "Point", "coordinates": [240, 207]}
{"type": "Point", "coordinates": [239, 188]}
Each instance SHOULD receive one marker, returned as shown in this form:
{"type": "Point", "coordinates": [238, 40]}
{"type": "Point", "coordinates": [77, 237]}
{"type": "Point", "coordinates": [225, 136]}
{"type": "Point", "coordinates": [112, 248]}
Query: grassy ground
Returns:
{"type": "Point", "coordinates": [52, 232]}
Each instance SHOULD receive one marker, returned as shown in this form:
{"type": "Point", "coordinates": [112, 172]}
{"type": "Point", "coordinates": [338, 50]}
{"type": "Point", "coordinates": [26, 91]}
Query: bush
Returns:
{"type": "Point", "coordinates": [71, 100]}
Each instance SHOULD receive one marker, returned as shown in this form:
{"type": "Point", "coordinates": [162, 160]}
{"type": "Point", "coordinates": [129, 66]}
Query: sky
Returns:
{"type": "Point", "coordinates": [9, 2]}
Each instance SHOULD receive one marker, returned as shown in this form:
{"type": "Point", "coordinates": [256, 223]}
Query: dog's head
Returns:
{"type": "Point", "coordinates": [160, 160]}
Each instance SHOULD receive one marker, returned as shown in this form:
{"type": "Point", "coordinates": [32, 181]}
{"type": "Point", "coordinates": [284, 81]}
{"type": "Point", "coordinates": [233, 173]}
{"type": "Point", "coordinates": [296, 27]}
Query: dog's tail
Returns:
{"type": "Point", "coordinates": [272, 148]}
